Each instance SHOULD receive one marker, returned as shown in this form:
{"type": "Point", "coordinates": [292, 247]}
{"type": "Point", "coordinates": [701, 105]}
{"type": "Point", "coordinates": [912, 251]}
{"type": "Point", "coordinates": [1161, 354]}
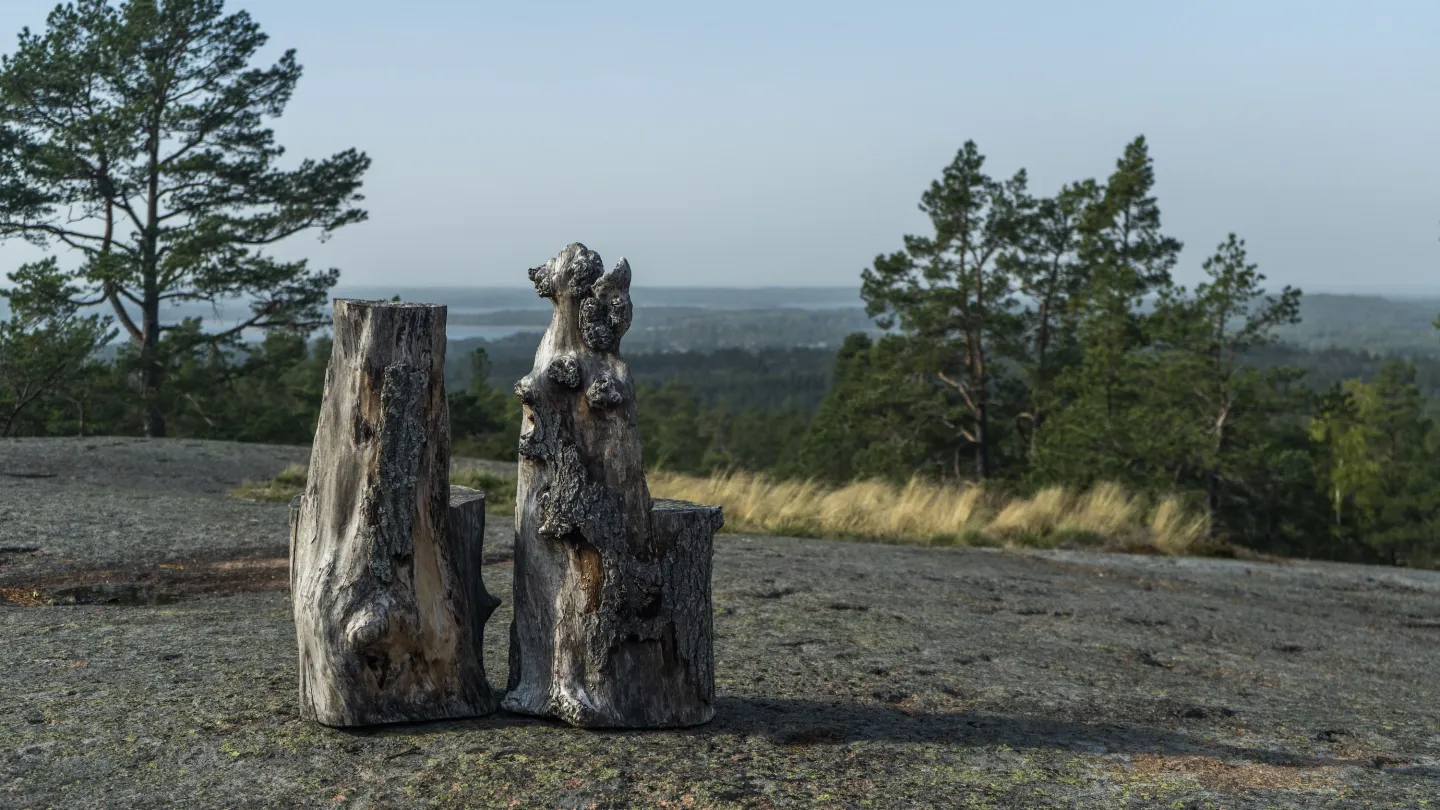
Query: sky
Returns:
{"type": "Point", "coordinates": [744, 144]}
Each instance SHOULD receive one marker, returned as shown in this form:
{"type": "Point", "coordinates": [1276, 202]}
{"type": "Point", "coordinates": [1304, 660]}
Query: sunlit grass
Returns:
{"type": "Point", "coordinates": [1104, 517]}
{"type": "Point", "coordinates": [1178, 531]}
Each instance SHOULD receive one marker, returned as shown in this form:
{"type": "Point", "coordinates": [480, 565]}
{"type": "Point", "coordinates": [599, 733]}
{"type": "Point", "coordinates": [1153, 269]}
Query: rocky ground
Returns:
{"type": "Point", "coordinates": [148, 661]}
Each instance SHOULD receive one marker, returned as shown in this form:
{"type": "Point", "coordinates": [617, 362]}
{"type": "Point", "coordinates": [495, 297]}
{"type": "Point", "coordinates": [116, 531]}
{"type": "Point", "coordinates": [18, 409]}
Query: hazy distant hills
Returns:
{"type": "Point", "coordinates": [667, 319]}
{"type": "Point", "coordinates": [1357, 322]}
{"type": "Point", "coordinates": [1367, 323]}
{"type": "Point", "coordinates": [698, 318]}
{"type": "Point", "coordinates": [705, 319]}
{"type": "Point", "coordinates": [490, 299]}
{"type": "Point", "coordinates": [661, 328]}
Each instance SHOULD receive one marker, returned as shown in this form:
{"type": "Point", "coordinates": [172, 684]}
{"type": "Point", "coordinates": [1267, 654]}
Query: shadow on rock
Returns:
{"type": "Point", "coordinates": [800, 723]}
{"type": "Point", "coordinates": [792, 722]}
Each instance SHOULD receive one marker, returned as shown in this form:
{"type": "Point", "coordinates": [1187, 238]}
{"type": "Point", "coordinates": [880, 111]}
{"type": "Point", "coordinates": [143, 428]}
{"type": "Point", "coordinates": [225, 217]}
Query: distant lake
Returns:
{"type": "Point", "coordinates": [462, 301]}
{"type": "Point", "coordinates": [452, 332]}
{"type": "Point", "coordinates": [465, 332]}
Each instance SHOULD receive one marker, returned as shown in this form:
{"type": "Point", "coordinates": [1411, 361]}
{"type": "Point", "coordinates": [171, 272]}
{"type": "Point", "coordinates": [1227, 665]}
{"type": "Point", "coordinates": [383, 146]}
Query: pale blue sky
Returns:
{"type": "Point", "coordinates": [746, 143]}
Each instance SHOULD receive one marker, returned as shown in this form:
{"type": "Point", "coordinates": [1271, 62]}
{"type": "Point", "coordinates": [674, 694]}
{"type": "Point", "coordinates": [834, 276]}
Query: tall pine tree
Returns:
{"type": "Point", "coordinates": [1205, 337]}
{"type": "Point", "coordinates": [953, 293]}
{"type": "Point", "coordinates": [1104, 431]}
{"type": "Point", "coordinates": [136, 134]}
{"type": "Point", "coordinates": [1053, 277]}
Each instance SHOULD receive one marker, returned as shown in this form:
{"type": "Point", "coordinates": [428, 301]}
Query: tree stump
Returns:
{"type": "Point", "coordinates": [386, 587]}
{"type": "Point", "coordinates": [612, 620]}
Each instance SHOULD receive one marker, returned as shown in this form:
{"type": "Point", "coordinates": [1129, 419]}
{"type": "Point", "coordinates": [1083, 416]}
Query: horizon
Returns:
{"type": "Point", "coordinates": [1417, 293]}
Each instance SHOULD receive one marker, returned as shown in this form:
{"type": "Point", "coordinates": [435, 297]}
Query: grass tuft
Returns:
{"type": "Point", "coordinates": [280, 489]}
{"type": "Point", "coordinates": [1176, 530]}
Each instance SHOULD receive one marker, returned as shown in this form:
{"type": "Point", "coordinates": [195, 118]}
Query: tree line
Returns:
{"type": "Point", "coordinates": [1043, 340]}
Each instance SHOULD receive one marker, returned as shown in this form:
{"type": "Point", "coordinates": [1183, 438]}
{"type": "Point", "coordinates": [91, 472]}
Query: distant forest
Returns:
{"type": "Point", "coordinates": [681, 329]}
{"type": "Point", "coordinates": [776, 378]}
{"type": "Point", "coordinates": [779, 359]}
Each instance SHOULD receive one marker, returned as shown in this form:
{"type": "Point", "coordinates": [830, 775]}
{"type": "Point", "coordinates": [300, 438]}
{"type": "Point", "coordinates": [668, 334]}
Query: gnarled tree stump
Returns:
{"type": "Point", "coordinates": [612, 591]}
{"type": "Point", "coordinates": [389, 604]}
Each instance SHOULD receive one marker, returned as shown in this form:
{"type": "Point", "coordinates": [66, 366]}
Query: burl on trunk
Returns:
{"type": "Point", "coordinates": [389, 605]}
{"type": "Point", "coordinates": [612, 590]}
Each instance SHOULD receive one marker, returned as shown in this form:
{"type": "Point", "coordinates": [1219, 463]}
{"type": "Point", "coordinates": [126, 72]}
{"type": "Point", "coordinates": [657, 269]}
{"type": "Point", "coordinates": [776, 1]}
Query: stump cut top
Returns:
{"type": "Point", "coordinates": [370, 303]}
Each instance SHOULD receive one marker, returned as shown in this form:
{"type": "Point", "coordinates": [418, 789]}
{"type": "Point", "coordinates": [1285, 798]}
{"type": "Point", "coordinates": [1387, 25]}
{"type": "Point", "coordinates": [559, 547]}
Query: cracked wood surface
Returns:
{"type": "Point", "coordinates": [385, 555]}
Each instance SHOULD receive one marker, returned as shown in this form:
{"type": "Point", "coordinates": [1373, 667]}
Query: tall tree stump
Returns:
{"type": "Point", "coordinates": [389, 604]}
{"type": "Point", "coordinates": [612, 591]}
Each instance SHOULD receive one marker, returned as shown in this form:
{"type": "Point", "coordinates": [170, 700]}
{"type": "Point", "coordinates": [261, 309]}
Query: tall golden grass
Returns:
{"type": "Point", "coordinates": [1105, 516]}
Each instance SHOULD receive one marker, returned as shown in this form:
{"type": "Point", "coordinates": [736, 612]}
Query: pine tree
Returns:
{"type": "Point", "coordinates": [1106, 430]}
{"type": "Point", "coordinates": [1129, 258]}
{"type": "Point", "coordinates": [484, 420]}
{"type": "Point", "coordinates": [135, 134]}
{"type": "Point", "coordinates": [885, 417]}
{"type": "Point", "coordinates": [1204, 340]}
{"type": "Point", "coordinates": [1052, 276]}
{"type": "Point", "coordinates": [953, 293]}
{"type": "Point", "coordinates": [46, 344]}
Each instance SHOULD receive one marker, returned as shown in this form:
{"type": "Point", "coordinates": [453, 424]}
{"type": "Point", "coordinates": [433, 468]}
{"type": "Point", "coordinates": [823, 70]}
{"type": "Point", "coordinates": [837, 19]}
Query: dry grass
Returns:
{"type": "Point", "coordinates": [865, 509]}
{"type": "Point", "coordinates": [1105, 516]}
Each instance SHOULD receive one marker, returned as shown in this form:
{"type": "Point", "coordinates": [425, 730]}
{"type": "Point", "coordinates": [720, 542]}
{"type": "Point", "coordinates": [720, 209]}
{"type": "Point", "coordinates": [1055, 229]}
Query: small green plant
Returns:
{"type": "Point", "coordinates": [499, 489]}
{"type": "Point", "coordinates": [280, 489]}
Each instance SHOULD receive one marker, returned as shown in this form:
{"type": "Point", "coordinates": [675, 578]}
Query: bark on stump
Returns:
{"type": "Point", "coordinates": [385, 576]}
{"type": "Point", "coordinates": [612, 591]}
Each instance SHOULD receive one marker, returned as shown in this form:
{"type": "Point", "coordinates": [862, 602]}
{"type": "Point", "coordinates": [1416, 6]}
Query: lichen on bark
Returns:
{"type": "Point", "coordinates": [388, 601]}
{"type": "Point", "coordinates": [391, 492]}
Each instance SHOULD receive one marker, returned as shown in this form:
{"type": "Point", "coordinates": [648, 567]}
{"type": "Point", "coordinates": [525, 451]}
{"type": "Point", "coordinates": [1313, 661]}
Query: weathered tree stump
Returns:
{"type": "Point", "coordinates": [612, 591]}
{"type": "Point", "coordinates": [389, 604]}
